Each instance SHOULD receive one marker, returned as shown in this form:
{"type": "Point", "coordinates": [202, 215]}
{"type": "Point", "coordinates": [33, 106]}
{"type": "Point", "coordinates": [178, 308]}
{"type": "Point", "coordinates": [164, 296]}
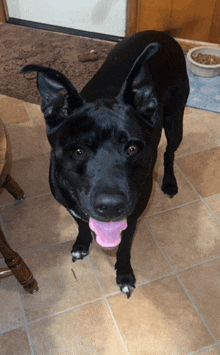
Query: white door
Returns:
{"type": "Point", "coordinates": [101, 16]}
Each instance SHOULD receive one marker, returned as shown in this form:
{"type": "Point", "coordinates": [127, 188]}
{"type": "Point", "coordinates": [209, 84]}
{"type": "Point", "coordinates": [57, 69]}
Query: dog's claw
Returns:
{"type": "Point", "coordinates": [126, 284]}
{"type": "Point", "coordinates": [78, 253]}
{"type": "Point", "coordinates": [127, 290]}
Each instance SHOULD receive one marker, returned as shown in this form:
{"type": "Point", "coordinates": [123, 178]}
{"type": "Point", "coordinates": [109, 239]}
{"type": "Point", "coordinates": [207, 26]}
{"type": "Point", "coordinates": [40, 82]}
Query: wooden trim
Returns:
{"type": "Point", "coordinates": [4, 15]}
{"type": "Point", "coordinates": [131, 17]}
{"type": "Point", "coordinates": [214, 34]}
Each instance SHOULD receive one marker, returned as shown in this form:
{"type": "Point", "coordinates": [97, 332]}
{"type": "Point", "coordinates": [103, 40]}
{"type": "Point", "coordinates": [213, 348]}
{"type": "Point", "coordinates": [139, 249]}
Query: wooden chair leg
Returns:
{"type": "Point", "coordinates": [17, 266]}
{"type": "Point", "coordinates": [5, 272]}
{"type": "Point", "coordinates": [13, 188]}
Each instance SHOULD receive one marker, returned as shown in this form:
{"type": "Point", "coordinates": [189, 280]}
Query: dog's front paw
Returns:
{"type": "Point", "coordinates": [126, 283]}
{"type": "Point", "coordinates": [170, 187]}
{"type": "Point", "coordinates": [79, 252]}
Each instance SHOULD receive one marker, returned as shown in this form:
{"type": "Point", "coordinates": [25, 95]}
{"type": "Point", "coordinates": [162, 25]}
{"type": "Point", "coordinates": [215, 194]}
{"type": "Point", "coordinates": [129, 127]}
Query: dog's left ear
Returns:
{"type": "Point", "coordinates": [59, 95]}
{"type": "Point", "coordinates": [138, 89]}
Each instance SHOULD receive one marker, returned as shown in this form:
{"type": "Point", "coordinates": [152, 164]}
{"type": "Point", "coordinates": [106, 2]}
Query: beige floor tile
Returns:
{"type": "Point", "coordinates": [147, 260]}
{"type": "Point", "coordinates": [33, 110]}
{"type": "Point", "coordinates": [32, 174]}
{"type": "Point", "coordinates": [213, 351]}
{"type": "Point", "coordinates": [37, 223]}
{"type": "Point", "coordinates": [188, 110]}
{"type": "Point", "coordinates": [214, 203]}
{"type": "Point", "coordinates": [159, 319]}
{"type": "Point", "coordinates": [15, 342]}
{"type": "Point", "coordinates": [104, 264]}
{"type": "Point", "coordinates": [11, 311]}
{"type": "Point", "coordinates": [211, 120]}
{"type": "Point", "coordinates": [87, 330]}
{"type": "Point", "coordinates": [13, 111]}
{"type": "Point", "coordinates": [58, 288]}
{"type": "Point", "coordinates": [203, 285]}
{"type": "Point", "coordinates": [189, 235]}
{"type": "Point", "coordinates": [161, 202]}
{"type": "Point", "coordinates": [40, 127]}
{"type": "Point", "coordinates": [24, 141]}
{"type": "Point", "coordinates": [196, 137]}
{"type": "Point", "coordinates": [203, 170]}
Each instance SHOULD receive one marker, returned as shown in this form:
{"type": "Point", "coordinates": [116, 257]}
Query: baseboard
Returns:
{"type": "Point", "coordinates": [60, 29]}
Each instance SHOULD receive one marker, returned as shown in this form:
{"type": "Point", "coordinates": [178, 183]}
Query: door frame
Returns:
{"type": "Point", "coordinates": [131, 17]}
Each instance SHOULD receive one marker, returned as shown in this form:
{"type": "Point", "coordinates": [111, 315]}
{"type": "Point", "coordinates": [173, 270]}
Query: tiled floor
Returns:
{"type": "Point", "coordinates": [175, 308]}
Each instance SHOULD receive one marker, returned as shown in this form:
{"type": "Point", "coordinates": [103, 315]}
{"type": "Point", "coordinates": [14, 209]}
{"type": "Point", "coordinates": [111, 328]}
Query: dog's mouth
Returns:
{"type": "Point", "coordinates": [108, 234]}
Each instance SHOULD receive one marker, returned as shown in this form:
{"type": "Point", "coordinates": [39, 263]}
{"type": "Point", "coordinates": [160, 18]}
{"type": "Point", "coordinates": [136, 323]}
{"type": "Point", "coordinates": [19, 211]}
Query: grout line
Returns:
{"type": "Point", "coordinates": [117, 327]}
{"type": "Point", "coordinates": [194, 153]}
{"type": "Point", "coordinates": [160, 247]}
{"type": "Point", "coordinates": [195, 307]}
{"type": "Point", "coordinates": [29, 113]}
{"type": "Point", "coordinates": [25, 322]}
{"type": "Point", "coordinates": [204, 124]}
{"type": "Point", "coordinates": [17, 202]}
{"type": "Point", "coordinates": [205, 262]}
{"type": "Point", "coordinates": [108, 305]}
{"type": "Point", "coordinates": [10, 329]}
{"type": "Point", "coordinates": [28, 253]}
{"type": "Point", "coordinates": [210, 197]}
{"type": "Point", "coordinates": [199, 351]}
{"type": "Point", "coordinates": [145, 283]}
{"type": "Point", "coordinates": [176, 273]}
{"type": "Point", "coordinates": [203, 199]}
{"type": "Point", "coordinates": [72, 309]}
{"type": "Point", "coordinates": [172, 208]}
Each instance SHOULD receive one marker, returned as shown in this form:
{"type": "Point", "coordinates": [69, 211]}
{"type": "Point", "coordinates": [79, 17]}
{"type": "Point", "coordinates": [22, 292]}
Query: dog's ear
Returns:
{"type": "Point", "coordinates": [59, 96]}
{"type": "Point", "coordinates": [138, 89]}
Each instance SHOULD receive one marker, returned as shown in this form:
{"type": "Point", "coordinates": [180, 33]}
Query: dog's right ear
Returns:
{"type": "Point", "coordinates": [59, 95]}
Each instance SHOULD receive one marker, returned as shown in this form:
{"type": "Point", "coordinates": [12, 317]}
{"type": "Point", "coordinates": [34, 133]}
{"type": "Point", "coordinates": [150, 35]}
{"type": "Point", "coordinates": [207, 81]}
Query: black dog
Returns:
{"type": "Point", "coordinates": [104, 140]}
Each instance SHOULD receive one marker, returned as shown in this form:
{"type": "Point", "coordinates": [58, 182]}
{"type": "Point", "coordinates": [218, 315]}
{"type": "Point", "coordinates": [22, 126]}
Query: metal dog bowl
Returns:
{"type": "Point", "coordinates": [203, 69]}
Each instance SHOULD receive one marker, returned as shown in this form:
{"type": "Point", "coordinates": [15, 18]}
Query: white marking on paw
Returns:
{"type": "Point", "coordinates": [76, 254]}
{"type": "Point", "coordinates": [125, 289]}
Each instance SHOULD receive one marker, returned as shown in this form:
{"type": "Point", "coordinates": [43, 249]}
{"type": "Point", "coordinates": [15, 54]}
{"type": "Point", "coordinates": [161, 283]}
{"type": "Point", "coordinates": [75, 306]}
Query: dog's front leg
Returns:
{"type": "Point", "coordinates": [81, 246]}
{"type": "Point", "coordinates": [125, 276]}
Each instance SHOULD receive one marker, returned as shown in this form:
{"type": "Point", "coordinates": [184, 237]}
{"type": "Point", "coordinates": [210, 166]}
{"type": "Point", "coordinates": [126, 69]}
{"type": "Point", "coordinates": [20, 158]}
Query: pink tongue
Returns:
{"type": "Point", "coordinates": [108, 234]}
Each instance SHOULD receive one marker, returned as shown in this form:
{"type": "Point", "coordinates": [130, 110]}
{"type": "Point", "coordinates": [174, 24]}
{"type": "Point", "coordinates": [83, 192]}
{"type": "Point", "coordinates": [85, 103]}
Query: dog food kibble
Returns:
{"type": "Point", "coordinates": [207, 59]}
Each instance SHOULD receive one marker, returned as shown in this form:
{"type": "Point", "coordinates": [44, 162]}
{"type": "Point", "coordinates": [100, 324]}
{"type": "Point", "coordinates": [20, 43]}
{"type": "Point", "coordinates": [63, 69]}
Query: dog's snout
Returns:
{"type": "Point", "coordinates": [109, 206]}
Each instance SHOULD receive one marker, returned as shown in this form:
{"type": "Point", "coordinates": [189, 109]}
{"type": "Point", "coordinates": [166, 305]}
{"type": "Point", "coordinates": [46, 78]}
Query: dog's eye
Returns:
{"type": "Point", "coordinates": [133, 149]}
{"type": "Point", "coordinates": [79, 154]}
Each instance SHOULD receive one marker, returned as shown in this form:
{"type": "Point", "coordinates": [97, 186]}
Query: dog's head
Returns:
{"type": "Point", "coordinates": [102, 152]}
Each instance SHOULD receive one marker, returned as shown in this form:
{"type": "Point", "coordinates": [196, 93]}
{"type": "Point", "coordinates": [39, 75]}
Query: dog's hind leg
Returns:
{"type": "Point", "coordinates": [81, 246]}
{"type": "Point", "coordinates": [173, 126]}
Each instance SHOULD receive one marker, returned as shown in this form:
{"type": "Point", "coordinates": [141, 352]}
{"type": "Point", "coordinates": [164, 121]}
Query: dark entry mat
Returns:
{"type": "Point", "coordinates": [22, 45]}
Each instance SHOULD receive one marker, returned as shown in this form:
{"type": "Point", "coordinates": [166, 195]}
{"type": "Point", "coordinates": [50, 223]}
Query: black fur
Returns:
{"type": "Point", "coordinates": [104, 140]}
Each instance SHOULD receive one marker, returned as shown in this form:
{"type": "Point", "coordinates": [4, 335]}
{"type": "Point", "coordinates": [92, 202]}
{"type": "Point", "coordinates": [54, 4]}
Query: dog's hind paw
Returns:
{"type": "Point", "coordinates": [170, 188]}
{"type": "Point", "coordinates": [79, 252]}
{"type": "Point", "coordinates": [126, 284]}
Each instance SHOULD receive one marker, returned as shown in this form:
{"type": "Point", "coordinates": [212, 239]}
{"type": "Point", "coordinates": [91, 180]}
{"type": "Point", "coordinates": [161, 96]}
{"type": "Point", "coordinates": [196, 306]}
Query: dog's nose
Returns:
{"type": "Point", "coordinates": [110, 206]}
